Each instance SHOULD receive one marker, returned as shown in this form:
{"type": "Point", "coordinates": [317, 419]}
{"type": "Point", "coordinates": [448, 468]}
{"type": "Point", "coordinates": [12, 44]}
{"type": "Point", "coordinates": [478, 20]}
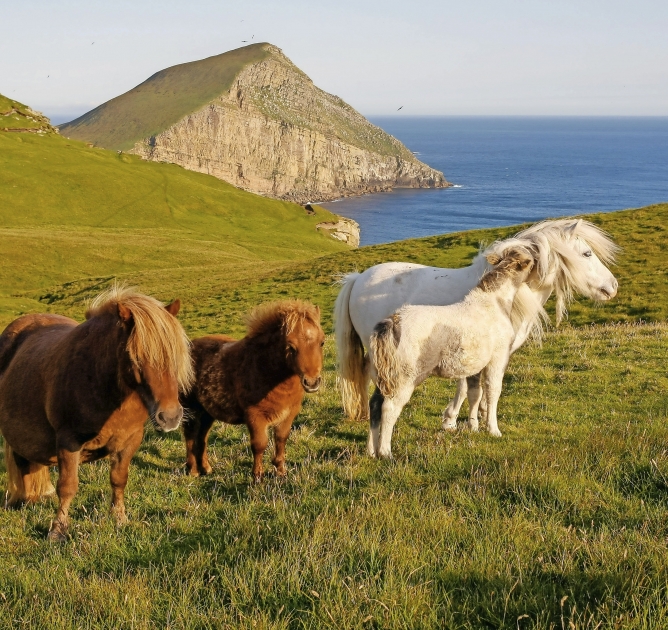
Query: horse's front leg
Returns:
{"type": "Point", "coordinates": [390, 414]}
{"type": "Point", "coordinates": [118, 476]}
{"type": "Point", "coordinates": [474, 396]}
{"type": "Point", "coordinates": [66, 488]}
{"type": "Point", "coordinates": [493, 380]}
{"type": "Point", "coordinates": [281, 434]}
{"type": "Point", "coordinates": [257, 427]}
{"type": "Point", "coordinates": [451, 412]}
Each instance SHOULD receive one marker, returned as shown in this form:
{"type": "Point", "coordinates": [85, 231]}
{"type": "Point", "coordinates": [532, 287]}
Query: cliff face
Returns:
{"type": "Point", "coordinates": [275, 133]}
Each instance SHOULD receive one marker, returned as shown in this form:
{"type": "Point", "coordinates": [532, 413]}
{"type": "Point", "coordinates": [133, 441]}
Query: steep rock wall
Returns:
{"type": "Point", "coordinates": [276, 134]}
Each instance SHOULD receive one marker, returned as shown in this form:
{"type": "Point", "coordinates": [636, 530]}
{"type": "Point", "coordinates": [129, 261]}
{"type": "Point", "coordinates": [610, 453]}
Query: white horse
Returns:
{"type": "Point", "coordinates": [572, 255]}
{"type": "Point", "coordinates": [455, 341]}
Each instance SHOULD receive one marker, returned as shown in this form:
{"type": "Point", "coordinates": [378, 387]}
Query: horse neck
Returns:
{"type": "Point", "coordinates": [97, 344]}
{"type": "Point", "coordinates": [503, 295]}
{"type": "Point", "coordinates": [267, 351]}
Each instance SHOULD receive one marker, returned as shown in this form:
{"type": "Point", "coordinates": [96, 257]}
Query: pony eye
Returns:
{"type": "Point", "coordinates": [587, 254]}
{"type": "Point", "coordinates": [322, 343]}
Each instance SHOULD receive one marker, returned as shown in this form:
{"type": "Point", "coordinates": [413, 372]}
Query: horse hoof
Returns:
{"type": "Point", "coordinates": [451, 427]}
{"type": "Point", "coordinates": [495, 433]}
{"type": "Point", "coordinates": [56, 535]}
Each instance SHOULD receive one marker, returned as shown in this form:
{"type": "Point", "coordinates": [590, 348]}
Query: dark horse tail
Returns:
{"type": "Point", "coordinates": [34, 481]}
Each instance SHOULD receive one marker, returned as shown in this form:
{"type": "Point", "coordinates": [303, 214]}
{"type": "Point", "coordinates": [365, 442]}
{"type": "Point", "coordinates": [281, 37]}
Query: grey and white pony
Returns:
{"type": "Point", "coordinates": [572, 257]}
{"type": "Point", "coordinates": [470, 337]}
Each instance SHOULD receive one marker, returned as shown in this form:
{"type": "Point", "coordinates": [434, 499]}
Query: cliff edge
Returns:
{"type": "Point", "coordinates": [253, 119]}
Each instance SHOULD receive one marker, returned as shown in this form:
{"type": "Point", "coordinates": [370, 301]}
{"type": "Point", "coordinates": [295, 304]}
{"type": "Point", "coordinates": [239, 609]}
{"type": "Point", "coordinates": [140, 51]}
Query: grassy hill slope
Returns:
{"type": "Point", "coordinates": [162, 100]}
{"type": "Point", "coordinates": [70, 212]}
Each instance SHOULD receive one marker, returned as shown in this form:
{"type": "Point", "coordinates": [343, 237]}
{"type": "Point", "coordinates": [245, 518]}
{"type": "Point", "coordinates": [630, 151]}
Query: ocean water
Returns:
{"type": "Point", "coordinates": [509, 170]}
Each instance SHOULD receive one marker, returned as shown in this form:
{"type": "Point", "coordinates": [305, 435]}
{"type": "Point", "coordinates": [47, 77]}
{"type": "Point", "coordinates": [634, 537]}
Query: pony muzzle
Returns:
{"type": "Point", "coordinates": [311, 385]}
{"type": "Point", "coordinates": [168, 420]}
{"type": "Point", "coordinates": [609, 291]}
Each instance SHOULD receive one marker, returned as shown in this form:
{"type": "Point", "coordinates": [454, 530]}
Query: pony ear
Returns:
{"type": "Point", "coordinates": [174, 307]}
{"type": "Point", "coordinates": [124, 313]}
{"type": "Point", "coordinates": [572, 229]}
{"type": "Point", "coordinates": [493, 259]}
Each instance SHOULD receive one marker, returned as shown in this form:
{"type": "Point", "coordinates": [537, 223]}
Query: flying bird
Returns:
{"type": "Point", "coordinates": [92, 44]}
{"type": "Point", "coordinates": [401, 107]}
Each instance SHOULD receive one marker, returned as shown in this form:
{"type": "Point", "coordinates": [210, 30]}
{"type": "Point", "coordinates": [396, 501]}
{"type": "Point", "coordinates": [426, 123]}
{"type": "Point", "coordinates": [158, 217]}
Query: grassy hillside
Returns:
{"type": "Point", "coordinates": [162, 100]}
{"type": "Point", "coordinates": [70, 212]}
{"type": "Point", "coordinates": [559, 524]}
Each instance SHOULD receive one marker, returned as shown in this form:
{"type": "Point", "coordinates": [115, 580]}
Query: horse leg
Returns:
{"type": "Point", "coordinates": [68, 482]}
{"type": "Point", "coordinates": [391, 409]}
{"type": "Point", "coordinates": [474, 396]}
{"type": "Point", "coordinates": [281, 433]}
{"type": "Point", "coordinates": [257, 427]}
{"type": "Point", "coordinates": [190, 432]}
{"type": "Point", "coordinates": [28, 481]}
{"type": "Point", "coordinates": [118, 475]}
{"type": "Point", "coordinates": [451, 412]}
{"type": "Point", "coordinates": [376, 409]}
{"type": "Point", "coordinates": [493, 385]}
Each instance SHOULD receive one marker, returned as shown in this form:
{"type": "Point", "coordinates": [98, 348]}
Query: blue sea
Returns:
{"type": "Point", "coordinates": [509, 170]}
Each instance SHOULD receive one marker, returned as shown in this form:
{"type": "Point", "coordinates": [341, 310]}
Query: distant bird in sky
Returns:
{"type": "Point", "coordinates": [48, 75]}
{"type": "Point", "coordinates": [401, 107]}
{"type": "Point", "coordinates": [92, 44]}
{"type": "Point", "coordinates": [244, 41]}
{"type": "Point", "coordinates": [253, 37]}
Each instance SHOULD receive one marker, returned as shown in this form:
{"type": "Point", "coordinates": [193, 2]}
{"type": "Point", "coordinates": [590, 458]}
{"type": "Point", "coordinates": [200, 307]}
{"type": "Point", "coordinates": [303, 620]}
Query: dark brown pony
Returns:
{"type": "Point", "coordinates": [73, 393]}
{"type": "Point", "coordinates": [258, 381]}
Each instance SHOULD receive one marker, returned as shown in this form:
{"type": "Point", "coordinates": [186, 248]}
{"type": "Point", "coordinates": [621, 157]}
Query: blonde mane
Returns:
{"type": "Point", "coordinates": [284, 314]}
{"type": "Point", "coordinates": [556, 257]}
{"type": "Point", "coordinates": [157, 338]}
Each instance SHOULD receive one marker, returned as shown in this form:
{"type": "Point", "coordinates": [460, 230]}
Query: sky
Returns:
{"type": "Point", "coordinates": [471, 57]}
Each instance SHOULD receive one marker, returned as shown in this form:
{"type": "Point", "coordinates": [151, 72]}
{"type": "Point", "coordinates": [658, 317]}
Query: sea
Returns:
{"type": "Point", "coordinates": [510, 170]}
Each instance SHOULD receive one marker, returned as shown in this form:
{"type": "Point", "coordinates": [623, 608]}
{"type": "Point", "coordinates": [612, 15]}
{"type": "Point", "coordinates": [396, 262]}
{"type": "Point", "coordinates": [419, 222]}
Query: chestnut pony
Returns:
{"type": "Point", "coordinates": [72, 393]}
{"type": "Point", "coordinates": [259, 381]}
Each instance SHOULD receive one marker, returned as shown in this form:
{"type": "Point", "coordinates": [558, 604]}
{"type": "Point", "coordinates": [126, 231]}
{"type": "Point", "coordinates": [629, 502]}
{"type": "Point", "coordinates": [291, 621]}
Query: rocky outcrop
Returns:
{"type": "Point", "coordinates": [275, 133]}
{"type": "Point", "coordinates": [344, 229]}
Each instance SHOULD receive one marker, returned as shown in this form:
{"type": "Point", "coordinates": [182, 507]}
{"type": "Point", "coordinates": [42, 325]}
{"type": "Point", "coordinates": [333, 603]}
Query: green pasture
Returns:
{"type": "Point", "coordinates": [561, 523]}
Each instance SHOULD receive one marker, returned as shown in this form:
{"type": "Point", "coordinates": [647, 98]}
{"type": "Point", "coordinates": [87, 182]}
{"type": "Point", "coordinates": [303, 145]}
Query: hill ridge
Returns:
{"type": "Point", "coordinates": [252, 118]}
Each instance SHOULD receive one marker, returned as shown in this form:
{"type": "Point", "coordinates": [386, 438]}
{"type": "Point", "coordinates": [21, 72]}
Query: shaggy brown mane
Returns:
{"type": "Point", "coordinates": [284, 314]}
{"type": "Point", "coordinates": [157, 338]}
{"type": "Point", "coordinates": [503, 267]}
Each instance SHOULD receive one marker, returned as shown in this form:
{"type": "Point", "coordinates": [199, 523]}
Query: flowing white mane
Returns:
{"type": "Point", "coordinates": [557, 258]}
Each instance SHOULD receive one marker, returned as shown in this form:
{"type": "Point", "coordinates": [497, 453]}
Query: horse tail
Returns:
{"type": "Point", "coordinates": [384, 351]}
{"type": "Point", "coordinates": [25, 488]}
{"type": "Point", "coordinates": [353, 377]}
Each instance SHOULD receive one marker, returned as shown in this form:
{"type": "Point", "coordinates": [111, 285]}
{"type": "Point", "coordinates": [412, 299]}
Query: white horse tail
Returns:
{"type": "Point", "coordinates": [353, 377]}
{"type": "Point", "coordinates": [384, 351]}
{"type": "Point", "coordinates": [25, 488]}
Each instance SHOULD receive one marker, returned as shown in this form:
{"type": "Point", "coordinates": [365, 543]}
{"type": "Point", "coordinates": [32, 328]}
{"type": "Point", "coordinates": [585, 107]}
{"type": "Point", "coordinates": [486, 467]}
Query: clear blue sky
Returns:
{"type": "Point", "coordinates": [520, 57]}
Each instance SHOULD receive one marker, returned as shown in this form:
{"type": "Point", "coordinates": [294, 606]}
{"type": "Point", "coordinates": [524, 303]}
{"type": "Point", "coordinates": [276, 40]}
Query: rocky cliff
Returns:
{"type": "Point", "coordinates": [273, 132]}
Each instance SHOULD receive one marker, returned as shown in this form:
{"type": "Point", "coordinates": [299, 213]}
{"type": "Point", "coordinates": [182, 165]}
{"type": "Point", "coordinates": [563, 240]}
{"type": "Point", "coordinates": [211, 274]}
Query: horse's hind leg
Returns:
{"type": "Point", "coordinates": [376, 413]}
{"type": "Point", "coordinates": [474, 396]}
{"type": "Point", "coordinates": [451, 412]}
{"type": "Point", "coordinates": [118, 475]}
{"type": "Point", "coordinates": [68, 482]}
{"type": "Point", "coordinates": [28, 481]}
{"type": "Point", "coordinates": [196, 432]}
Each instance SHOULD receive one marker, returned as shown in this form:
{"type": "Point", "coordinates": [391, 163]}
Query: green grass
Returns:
{"type": "Point", "coordinates": [162, 100]}
{"type": "Point", "coordinates": [69, 213]}
{"type": "Point", "coordinates": [561, 523]}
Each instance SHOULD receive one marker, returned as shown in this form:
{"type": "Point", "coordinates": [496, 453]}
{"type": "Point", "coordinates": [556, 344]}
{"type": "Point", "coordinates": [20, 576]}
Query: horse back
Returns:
{"type": "Point", "coordinates": [25, 327]}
